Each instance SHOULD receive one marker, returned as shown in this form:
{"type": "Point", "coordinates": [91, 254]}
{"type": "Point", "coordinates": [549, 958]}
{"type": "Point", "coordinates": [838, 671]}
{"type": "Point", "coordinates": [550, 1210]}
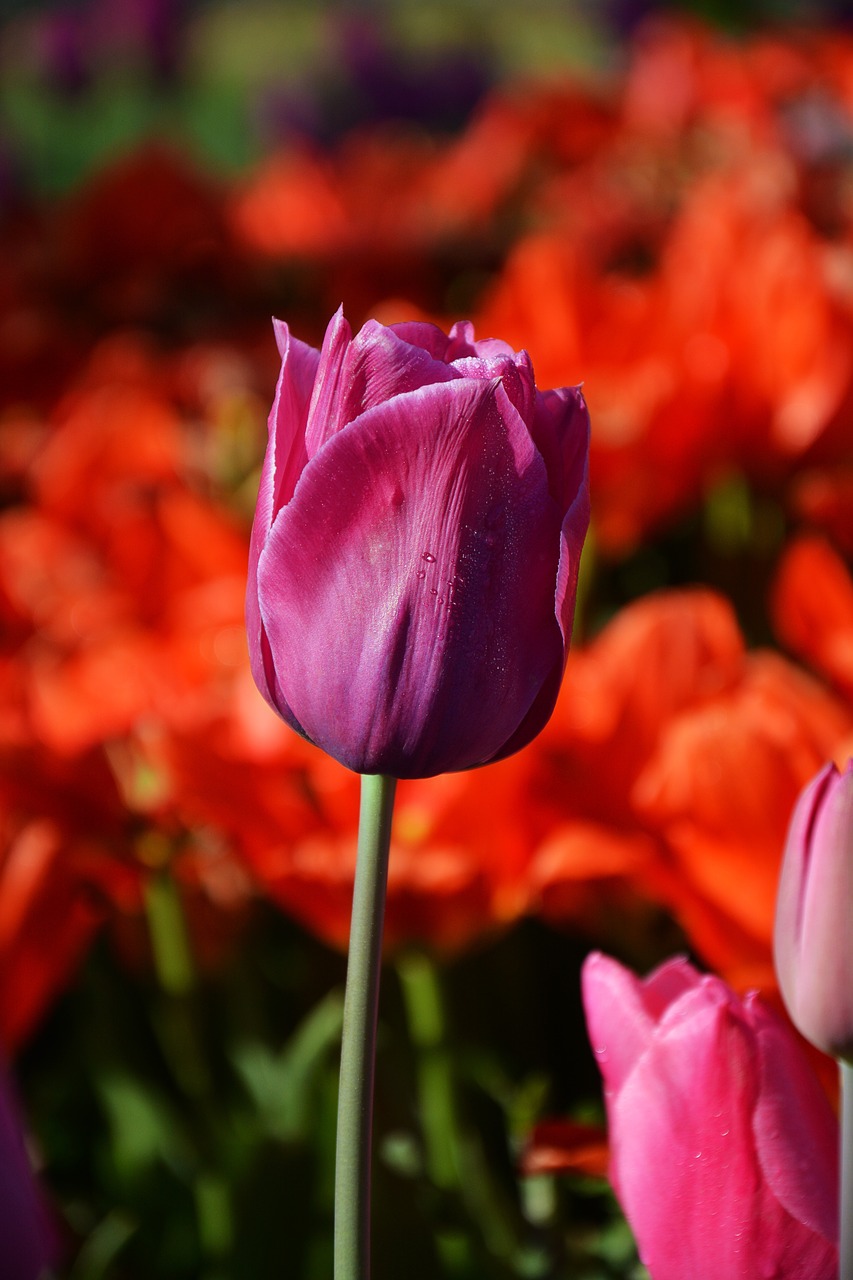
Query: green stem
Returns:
{"type": "Point", "coordinates": [358, 1046]}
{"type": "Point", "coordinates": [846, 1204]}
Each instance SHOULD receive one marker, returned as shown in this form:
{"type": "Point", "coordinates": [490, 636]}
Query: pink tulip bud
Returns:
{"type": "Point", "coordinates": [723, 1145]}
{"type": "Point", "coordinates": [415, 549]}
{"type": "Point", "coordinates": [813, 936]}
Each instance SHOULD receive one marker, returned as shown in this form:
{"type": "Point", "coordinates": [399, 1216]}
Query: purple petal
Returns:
{"type": "Point", "coordinates": [323, 413]}
{"type": "Point", "coordinates": [407, 589]}
{"type": "Point", "coordinates": [288, 419]}
{"type": "Point", "coordinates": [420, 333]}
{"type": "Point", "coordinates": [515, 372]}
{"type": "Point", "coordinates": [561, 425]}
{"type": "Point", "coordinates": [461, 343]}
{"type": "Point", "coordinates": [283, 463]}
{"type": "Point", "coordinates": [378, 365]}
{"type": "Point", "coordinates": [561, 432]}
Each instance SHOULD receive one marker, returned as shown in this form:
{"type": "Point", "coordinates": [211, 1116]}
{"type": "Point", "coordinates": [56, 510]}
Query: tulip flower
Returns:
{"type": "Point", "coordinates": [415, 549]}
{"type": "Point", "coordinates": [723, 1144]}
{"type": "Point", "coordinates": [813, 937]}
{"type": "Point", "coordinates": [813, 949]}
{"type": "Point", "coordinates": [412, 578]}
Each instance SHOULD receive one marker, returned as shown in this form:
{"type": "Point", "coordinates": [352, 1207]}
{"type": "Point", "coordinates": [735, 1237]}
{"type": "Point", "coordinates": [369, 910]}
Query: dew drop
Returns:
{"type": "Point", "coordinates": [441, 599]}
{"type": "Point", "coordinates": [433, 591]}
{"type": "Point", "coordinates": [421, 573]}
{"type": "Point", "coordinates": [429, 557]}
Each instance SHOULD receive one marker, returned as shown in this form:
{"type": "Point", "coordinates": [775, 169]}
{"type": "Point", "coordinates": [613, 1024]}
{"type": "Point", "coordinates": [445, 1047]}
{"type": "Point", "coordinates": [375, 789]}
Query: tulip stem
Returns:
{"type": "Point", "coordinates": [846, 1206]}
{"type": "Point", "coordinates": [358, 1046]}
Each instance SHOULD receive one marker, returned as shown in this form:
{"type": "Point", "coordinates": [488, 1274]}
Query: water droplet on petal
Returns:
{"type": "Point", "coordinates": [429, 557]}
{"type": "Point", "coordinates": [421, 573]}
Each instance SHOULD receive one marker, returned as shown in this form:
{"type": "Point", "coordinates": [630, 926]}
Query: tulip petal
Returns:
{"type": "Point", "coordinates": [415, 558]}
{"type": "Point", "coordinates": [619, 1024]}
{"type": "Point", "coordinates": [717, 1093]}
{"type": "Point", "coordinates": [379, 364]}
{"type": "Point", "coordinates": [825, 941]}
{"type": "Point", "coordinates": [562, 438]}
{"type": "Point", "coordinates": [461, 343]}
{"type": "Point", "coordinates": [561, 432]}
{"type": "Point", "coordinates": [690, 1099]}
{"type": "Point", "coordinates": [622, 1009]}
{"type": "Point", "coordinates": [288, 418]}
{"type": "Point", "coordinates": [421, 333]}
{"type": "Point", "coordinates": [285, 457]}
{"type": "Point", "coordinates": [794, 1116]}
{"type": "Point", "coordinates": [322, 414]}
{"type": "Point", "coordinates": [811, 938]}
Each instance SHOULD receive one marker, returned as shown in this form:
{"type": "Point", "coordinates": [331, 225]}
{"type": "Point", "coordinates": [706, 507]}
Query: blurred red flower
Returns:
{"type": "Point", "coordinates": [671, 765]}
{"type": "Point", "coordinates": [812, 607]}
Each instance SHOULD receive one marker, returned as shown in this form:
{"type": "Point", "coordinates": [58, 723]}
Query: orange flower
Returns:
{"type": "Point", "coordinates": [813, 609]}
{"type": "Point", "coordinates": [670, 769]}
{"type": "Point", "coordinates": [824, 498]}
{"type": "Point", "coordinates": [459, 855]}
{"type": "Point", "coordinates": [65, 863]}
{"type": "Point", "coordinates": [719, 789]}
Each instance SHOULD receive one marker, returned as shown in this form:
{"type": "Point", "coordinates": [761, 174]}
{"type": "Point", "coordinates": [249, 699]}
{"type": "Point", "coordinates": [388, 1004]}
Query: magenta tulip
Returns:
{"type": "Point", "coordinates": [415, 549]}
{"type": "Point", "coordinates": [723, 1145]}
{"type": "Point", "coordinates": [813, 938]}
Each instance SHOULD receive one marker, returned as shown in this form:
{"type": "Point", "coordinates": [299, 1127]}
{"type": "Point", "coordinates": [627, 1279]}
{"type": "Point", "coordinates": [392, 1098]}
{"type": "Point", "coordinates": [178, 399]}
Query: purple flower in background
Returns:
{"type": "Point", "coordinates": [28, 1242]}
{"type": "Point", "coordinates": [415, 549]}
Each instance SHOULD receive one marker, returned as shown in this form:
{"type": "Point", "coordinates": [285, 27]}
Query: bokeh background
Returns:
{"type": "Point", "coordinates": [655, 201]}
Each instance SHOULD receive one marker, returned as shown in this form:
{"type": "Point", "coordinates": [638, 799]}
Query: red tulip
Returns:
{"type": "Point", "coordinates": [723, 1145]}
{"type": "Point", "coordinates": [813, 943]}
{"type": "Point", "coordinates": [415, 549]}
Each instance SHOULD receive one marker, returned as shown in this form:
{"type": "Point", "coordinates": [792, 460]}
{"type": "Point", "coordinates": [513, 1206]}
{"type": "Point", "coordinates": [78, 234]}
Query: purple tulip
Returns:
{"type": "Point", "coordinates": [415, 549]}
{"type": "Point", "coordinates": [28, 1240]}
{"type": "Point", "coordinates": [813, 941]}
{"type": "Point", "coordinates": [723, 1144]}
